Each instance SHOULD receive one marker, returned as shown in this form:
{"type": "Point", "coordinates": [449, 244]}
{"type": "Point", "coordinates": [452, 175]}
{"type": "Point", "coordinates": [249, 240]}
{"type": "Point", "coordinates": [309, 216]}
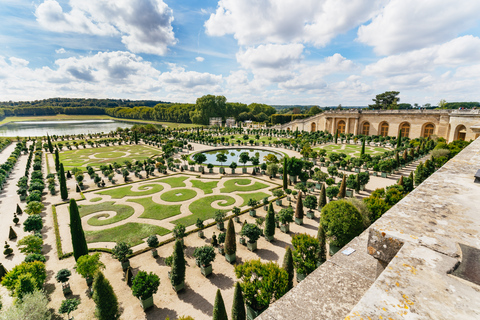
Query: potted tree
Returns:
{"type": "Point", "coordinates": [278, 193]}
{"type": "Point", "coordinates": [285, 216]}
{"type": "Point", "coordinates": [144, 286]}
{"type": "Point", "coordinates": [262, 284]}
{"type": "Point", "coordinates": [205, 256]}
{"type": "Point", "coordinates": [289, 192]}
{"type": "Point", "coordinates": [62, 277]}
{"type": "Point", "coordinates": [236, 212]}
{"type": "Point", "coordinates": [177, 275]}
{"type": "Point", "coordinates": [265, 203]}
{"type": "Point", "coordinates": [121, 252]}
{"type": "Point", "coordinates": [221, 241]}
{"type": "Point", "coordinates": [252, 232]}
{"type": "Point", "coordinates": [199, 225]}
{"type": "Point", "coordinates": [310, 203]}
{"type": "Point", "coordinates": [68, 306]}
{"type": "Point", "coordinates": [152, 242]}
{"type": "Point", "coordinates": [179, 232]}
{"type": "Point", "coordinates": [306, 254]}
{"type": "Point", "coordinates": [221, 157]}
{"type": "Point", "coordinates": [244, 158]}
{"type": "Point", "coordinates": [210, 168]}
{"type": "Point", "coordinates": [219, 216]}
{"type": "Point", "coordinates": [252, 203]}
{"type": "Point", "coordinates": [230, 244]}
{"type": "Point", "coordinates": [233, 166]}
{"type": "Point", "coordinates": [88, 265]}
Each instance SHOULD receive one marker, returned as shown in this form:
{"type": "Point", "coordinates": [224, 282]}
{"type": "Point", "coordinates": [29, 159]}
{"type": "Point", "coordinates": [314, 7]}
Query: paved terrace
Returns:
{"type": "Point", "coordinates": [409, 264]}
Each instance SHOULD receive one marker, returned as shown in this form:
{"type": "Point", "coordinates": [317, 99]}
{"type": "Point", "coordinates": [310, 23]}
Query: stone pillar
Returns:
{"type": "Point", "coordinates": [325, 126]}
{"type": "Point", "coordinates": [383, 248]}
{"type": "Point", "coordinates": [347, 129]}
{"type": "Point", "coordinates": [334, 119]}
{"type": "Point", "coordinates": [355, 128]}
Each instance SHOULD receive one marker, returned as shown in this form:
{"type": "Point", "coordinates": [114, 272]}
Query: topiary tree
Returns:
{"type": "Point", "coordinates": [35, 257]}
{"type": "Point", "coordinates": [105, 298]}
{"type": "Point", "coordinates": [121, 251]}
{"type": "Point", "coordinates": [219, 312]}
{"type": "Point", "coordinates": [19, 210]}
{"type": "Point", "coordinates": [177, 276]}
{"type": "Point", "coordinates": [12, 234]}
{"type": "Point", "coordinates": [88, 265]}
{"type": "Point", "coordinates": [63, 183]}
{"type": "Point", "coordinates": [341, 222]}
{"type": "Point", "coordinates": [68, 306]}
{"type": "Point", "coordinates": [179, 232]}
{"type": "Point", "coordinates": [322, 242]}
{"type": "Point", "coordinates": [310, 203]}
{"type": "Point", "coordinates": [332, 191]}
{"type": "Point", "coordinates": [152, 242]}
{"type": "Point", "coordinates": [33, 223]}
{"type": "Point", "coordinates": [79, 243]}
{"type": "Point", "coordinates": [145, 285]}
{"type": "Point", "coordinates": [238, 306]}
{"type": "Point", "coordinates": [230, 242]}
{"type": "Point", "coordinates": [288, 267]}
{"type": "Point", "coordinates": [7, 250]}
{"type": "Point", "coordinates": [305, 254]}
{"type": "Point", "coordinates": [261, 283]}
{"type": "Point", "coordinates": [285, 180]}
{"type": "Point", "coordinates": [270, 223]}
{"type": "Point", "coordinates": [343, 188]}
{"type": "Point", "coordinates": [299, 210]}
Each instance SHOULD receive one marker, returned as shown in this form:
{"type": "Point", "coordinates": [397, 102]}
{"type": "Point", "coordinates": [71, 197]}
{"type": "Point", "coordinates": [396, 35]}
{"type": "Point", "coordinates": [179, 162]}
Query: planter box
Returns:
{"type": "Point", "coordinates": [285, 228]}
{"type": "Point", "coordinates": [243, 241]}
{"type": "Point", "coordinates": [300, 276]}
{"type": "Point", "coordinates": [375, 173]}
{"type": "Point", "coordinates": [154, 253]}
{"type": "Point", "coordinates": [318, 186]}
{"type": "Point", "coordinates": [220, 226]}
{"type": "Point", "coordinates": [192, 169]}
{"type": "Point", "coordinates": [252, 246]}
{"type": "Point", "coordinates": [221, 251]}
{"type": "Point", "coordinates": [125, 264]}
{"type": "Point", "coordinates": [147, 303]}
{"type": "Point", "coordinates": [66, 289]}
{"type": "Point", "coordinates": [269, 238]}
{"type": "Point", "coordinates": [310, 214]}
{"type": "Point", "coordinates": [362, 187]}
{"type": "Point", "coordinates": [357, 170]}
{"type": "Point", "coordinates": [278, 202]}
{"type": "Point", "coordinates": [200, 234]}
{"type": "Point", "coordinates": [252, 313]}
{"type": "Point", "coordinates": [222, 170]}
{"type": "Point", "coordinates": [299, 221]}
{"type": "Point", "coordinates": [236, 219]}
{"type": "Point", "coordinates": [349, 193]}
{"type": "Point", "coordinates": [384, 174]}
{"type": "Point", "coordinates": [210, 170]}
{"type": "Point", "coordinates": [179, 287]}
{"type": "Point", "coordinates": [244, 170]}
{"type": "Point", "coordinates": [231, 258]}
{"type": "Point", "coordinates": [206, 270]}
{"type": "Point", "coordinates": [233, 171]}
{"type": "Point", "coordinates": [253, 213]}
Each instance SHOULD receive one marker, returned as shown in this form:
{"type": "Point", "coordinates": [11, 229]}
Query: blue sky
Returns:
{"type": "Point", "coordinates": [322, 52]}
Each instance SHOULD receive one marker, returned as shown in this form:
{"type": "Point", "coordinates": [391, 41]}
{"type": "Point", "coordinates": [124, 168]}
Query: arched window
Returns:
{"type": "Point", "coordinates": [288, 129]}
{"type": "Point", "coordinates": [404, 130]}
{"type": "Point", "coordinates": [313, 127]}
{"type": "Point", "coordinates": [461, 133]}
{"type": "Point", "coordinates": [428, 130]}
{"type": "Point", "coordinates": [366, 128]}
{"type": "Point", "coordinates": [384, 129]}
{"type": "Point", "coordinates": [341, 126]}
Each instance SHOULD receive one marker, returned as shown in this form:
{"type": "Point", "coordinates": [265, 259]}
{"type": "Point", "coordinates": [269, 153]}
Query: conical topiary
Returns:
{"type": "Point", "coordinates": [299, 208]}
{"type": "Point", "coordinates": [129, 276]}
{"type": "Point", "coordinates": [12, 234]}
{"type": "Point", "coordinates": [343, 188]}
{"type": "Point", "coordinates": [322, 242]}
{"type": "Point", "coordinates": [19, 210]}
{"type": "Point", "coordinates": [3, 271]}
{"type": "Point", "coordinates": [238, 306]}
{"type": "Point", "coordinates": [79, 243]}
{"type": "Point", "coordinates": [219, 312]}
{"type": "Point", "coordinates": [363, 148]}
{"type": "Point", "coordinates": [230, 243]}
{"type": "Point", "coordinates": [105, 298]}
{"type": "Point", "coordinates": [8, 251]}
{"type": "Point", "coordinates": [288, 266]}
{"type": "Point", "coordinates": [77, 188]}
{"type": "Point", "coordinates": [322, 199]}
{"type": "Point", "coordinates": [285, 184]}
{"type": "Point", "coordinates": [63, 183]}
{"type": "Point", "coordinates": [270, 222]}
{"type": "Point", "coordinates": [400, 181]}
{"type": "Point", "coordinates": [357, 183]}
{"type": "Point", "coordinates": [178, 265]}
{"type": "Point", "coordinates": [57, 161]}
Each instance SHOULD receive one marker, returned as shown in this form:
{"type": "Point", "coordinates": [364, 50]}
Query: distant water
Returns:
{"type": "Point", "coordinates": [61, 127]}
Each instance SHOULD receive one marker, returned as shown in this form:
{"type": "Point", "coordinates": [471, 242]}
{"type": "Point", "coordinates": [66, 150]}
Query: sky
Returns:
{"type": "Point", "coordinates": [280, 52]}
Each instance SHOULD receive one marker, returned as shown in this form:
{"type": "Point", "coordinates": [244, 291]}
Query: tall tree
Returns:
{"type": "Point", "coordinates": [57, 160]}
{"type": "Point", "coordinates": [288, 266]}
{"type": "Point", "coordinates": [336, 136]}
{"type": "Point", "coordinates": [363, 148]}
{"type": "Point", "coordinates": [49, 142]}
{"type": "Point", "coordinates": [387, 100]}
{"type": "Point", "coordinates": [299, 208]}
{"type": "Point", "coordinates": [219, 311]}
{"type": "Point", "coordinates": [178, 264]}
{"type": "Point", "coordinates": [322, 241]}
{"type": "Point", "coordinates": [207, 107]}
{"type": "Point", "coordinates": [105, 298]}
{"type": "Point", "coordinates": [270, 222]}
{"type": "Point", "coordinates": [285, 180]}
{"type": "Point", "coordinates": [343, 188]}
{"type": "Point", "coordinates": [230, 242]}
{"type": "Point", "coordinates": [63, 183]}
{"type": "Point", "coordinates": [79, 243]}
{"type": "Point", "coordinates": [238, 306]}
{"type": "Point", "coordinates": [322, 198]}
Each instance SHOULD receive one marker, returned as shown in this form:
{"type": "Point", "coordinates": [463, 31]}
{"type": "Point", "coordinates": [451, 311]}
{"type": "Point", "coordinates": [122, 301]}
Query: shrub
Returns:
{"type": "Point", "coordinates": [219, 312]}
{"type": "Point", "coordinates": [145, 285]}
{"type": "Point", "coordinates": [35, 257]}
{"type": "Point", "coordinates": [88, 265]}
{"type": "Point", "coordinates": [152, 241]}
{"type": "Point", "coordinates": [30, 244]}
{"type": "Point", "coordinates": [178, 265]}
{"type": "Point", "coordinates": [205, 255]}
{"type": "Point", "coordinates": [288, 266]}
{"type": "Point", "coordinates": [63, 275]}
{"type": "Point", "coordinates": [34, 306]}
{"type": "Point", "coordinates": [251, 231]}
{"type": "Point", "coordinates": [79, 243]}
{"type": "Point", "coordinates": [219, 216]}
{"type": "Point", "coordinates": [105, 298]}
{"type": "Point", "coordinates": [34, 207]}
{"type": "Point", "coordinates": [238, 307]}
{"type": "Point", "coordinates": [179, 231]}
{"type": "Point", "coordinates": [33, 223]}
{"type": "Point", "coordinates": [35, 269]}
{"type": "Point", "coordinates": [306, 253]}
{"type": "Point", "coordinates": [121, 251]}
{"type": "Point", "coordinates": [230, 242]}
{"type": "Point", "coordinates": [285, 215]}
{"type": "Point", "coordinates": [68, 306]}
{"type": "Point", "coordinates": [341, 222]}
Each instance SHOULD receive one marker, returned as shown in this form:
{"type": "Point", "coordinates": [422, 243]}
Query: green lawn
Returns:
{"type": "Point", "coordinates": [132, 233]}
{"type": "Point", "coordinates": [178, 195]}
{"type": "Point", "coordinates": [96, 199]}
{"type": "Point", "coordinates": [175, 182]}
{"type": "Point", "coordinates": [105, 155]}
{"type": "Point", "coordinates": [255, 196]}
{"type": "Point", "coordinates": [146, 189]}
{"type": "Point", "coordinates": [202, 209]}
{"type": "Point", "coordinates": [123, 212]}
{"type": "Point", "coordinates": [351, 150]}
{"type": "Point", "coordinates": [155, 210]}
{"type": "Point", "coordinates": [241, 185]}
{"type": "Point", "coordinates": [207, 187]}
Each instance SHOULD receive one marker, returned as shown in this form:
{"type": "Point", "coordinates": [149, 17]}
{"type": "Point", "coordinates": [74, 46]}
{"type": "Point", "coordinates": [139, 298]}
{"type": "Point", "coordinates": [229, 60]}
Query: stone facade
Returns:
{"type": "Point", "coordinates": [448, 124]}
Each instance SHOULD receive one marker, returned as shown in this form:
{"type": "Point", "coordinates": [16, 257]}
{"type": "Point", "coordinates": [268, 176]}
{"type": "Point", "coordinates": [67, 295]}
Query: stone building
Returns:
{"type": "Point", "coordinates": [449, 124]}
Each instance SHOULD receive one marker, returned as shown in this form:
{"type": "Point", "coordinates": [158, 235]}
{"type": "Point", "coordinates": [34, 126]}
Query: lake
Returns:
{"type": "Point", "coordinates": [61, 127]}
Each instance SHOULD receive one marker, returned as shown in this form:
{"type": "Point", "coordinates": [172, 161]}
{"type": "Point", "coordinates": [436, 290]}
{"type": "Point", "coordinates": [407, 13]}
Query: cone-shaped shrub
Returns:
{"type": "Point", "coordinates": [400, 181]}
{"type": "Point", "coordinates": [270, 222]}
{"type": "Point", "coordinates": [49, 142]}
{"type": "Point", "coordinates": [129, 276]}
{"type": "Point", "coordinates": [3, 271]}
{"type": "Point", "coordinates": [363, 148]}
{"type": "Point", "coordinates": [19, 210]}
{"type": "Point", "coordinates": [321, 239]}
{"type": "Point", "coordinates": [285, 183]}
{"type": "Point", "coordinates": [79, 243]}
{"type": "Point", "coordinates": [178, 265]}
{"type": "Point", "coordinates": [219, 312]}
{"type": "Point", "coordinates": [105, 298]}
{"type": "Point", "coordinates": [12, 234]}
{"type": "Point", "coordinates": [238, 307]}
{"type": "Point", "coordinates": [57, 161]}
{"type": "Point", "coordinates": [343, 188]}
{"type": "Point", "coordinates": [299, 208]}
{"type": "Point", "coordinates": [63, 183]}
{"type": "Point", "coordinates": [322, 199]}
{"type": "Point", "coordinates": [230, 243]}
{"type": "Point", "coordinates": [357, 183]}
{"type": "Point", "coordinates": [288, 266]}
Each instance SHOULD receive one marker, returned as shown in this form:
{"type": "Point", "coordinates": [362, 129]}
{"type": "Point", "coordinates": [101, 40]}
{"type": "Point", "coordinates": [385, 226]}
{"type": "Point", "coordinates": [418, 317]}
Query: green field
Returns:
{"type": "Point", "coordinates": [351, 150]}
{"type": "Point", "coordinates": [145, 189]}
{"type": "Point", "coordinates": [132, 233]}
{"type": "Point", "coordinates": [122, 212]}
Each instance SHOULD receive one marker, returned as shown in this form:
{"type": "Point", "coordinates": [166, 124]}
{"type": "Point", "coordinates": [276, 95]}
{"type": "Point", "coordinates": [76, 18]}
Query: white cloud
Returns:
{"type": "Point", "coordinates": [405, 25]}
{"type": "Point", "coordinates": [60, 51]}
{"type": "Point", "coordinates": [145, 25]}
{"type": "Point", "coordinates": [271, 56]}
{"type": "Point", "coordinates": [255, 22]}
{"type": "Point", "coordinates": [459, 51]}
{"type": "Point", "coordinates": [179, 79]}
{"type": "Point", "coordinates": [200, 59]}
{"type": "Point", "coordinates": [17, 62]}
